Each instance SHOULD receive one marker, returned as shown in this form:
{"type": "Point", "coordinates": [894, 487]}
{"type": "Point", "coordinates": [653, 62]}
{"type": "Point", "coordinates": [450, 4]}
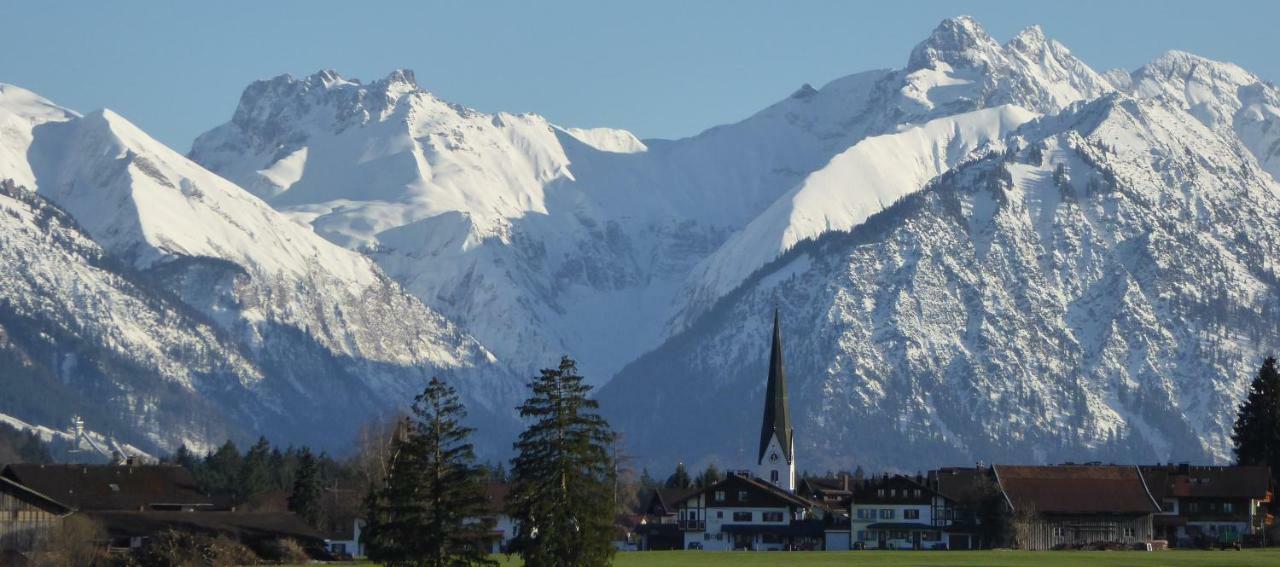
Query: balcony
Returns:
{"type": "Point", "coordinates": [692, 525]}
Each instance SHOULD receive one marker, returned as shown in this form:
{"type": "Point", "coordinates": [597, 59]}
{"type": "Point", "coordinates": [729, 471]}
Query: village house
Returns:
{"type": "Point", "coordinates": [966, 491]}
{"type": "Point", "coordinates": [658, 529]}
{"type": "Point", "coordinates": [1205, 505]}
{"type": "Point", "coordinates": [897, 512]}
{"type": "Point", "coordinates": [745, 513]}
{"type": "Point", "coordinates": [1068, 506]}
{"type": "Point", "coordinates": [134, 502]}
{"type": "Point", "coordinates": [504, 528]}
{"type": "Point", "coordinates": [26, 516]}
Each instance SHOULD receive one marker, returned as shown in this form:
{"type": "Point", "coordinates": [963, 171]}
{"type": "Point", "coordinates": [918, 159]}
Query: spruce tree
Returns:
{"type": "Point", "coordinates": [432, 509]}
{"type": "Point", "coordinates": [709, 476]}
{"type": "Point", "coordinates": [305, 501]}
{"type": "Point", "coordinates": [255, 472]}
{"type": "Point", "coordinates": [1257, 428]}
{"type": "Point", "coordinates": [680, 478]}
{"type": "Point", "coordinates": [562, 476]}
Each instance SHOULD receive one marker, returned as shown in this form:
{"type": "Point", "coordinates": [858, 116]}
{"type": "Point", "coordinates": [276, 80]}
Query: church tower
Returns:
{"type": "Point", "coordinates": [777, 460]}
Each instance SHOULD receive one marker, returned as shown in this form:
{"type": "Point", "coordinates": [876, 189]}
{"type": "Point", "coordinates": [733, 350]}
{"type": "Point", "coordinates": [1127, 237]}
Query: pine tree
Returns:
{"type": "Point", "coordinates": [709, 476]}
{"type": "Point", "coordinates": [432, 509]}
{"type": "Point", "coordinates": [305, 501]}
{"type": "Point", "coordinates": [1257, 428]}
{"type": "Point", "coordinates": [680, 478]}
{"type": "Point", "coordinates": [562, 486]}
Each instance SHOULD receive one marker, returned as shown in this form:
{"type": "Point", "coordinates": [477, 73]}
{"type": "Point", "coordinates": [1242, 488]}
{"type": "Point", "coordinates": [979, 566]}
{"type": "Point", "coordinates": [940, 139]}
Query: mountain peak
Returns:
{"type": "Point", "coordinates": [326, 77]}
{"type": "Point", "coordinates": [1030, 39]}
{"type": "Point", "coordinates": [402, 76]}
{"type": "Point", "coordinates": [960, 42]}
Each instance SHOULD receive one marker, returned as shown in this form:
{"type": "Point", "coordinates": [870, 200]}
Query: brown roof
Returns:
{"type": "Point", "coordinates": [243, 526]}
{"type": "Point", "coordinates": [111, 487]}
{"type": "Point", "coordinates": [963, 485]}
{"type": "Point", "coordinates": [31, 497]}
{"type": "Point", "coordinates": [1072, 489]}
{"type": "Point", "coordinates": [1181, 481]}
{"type": "Point", "coordinates": [737, 482]}
{"type": "Point", "coordinates": [495, 494]}
{"type": "Point", "coordinates": [664, 500]}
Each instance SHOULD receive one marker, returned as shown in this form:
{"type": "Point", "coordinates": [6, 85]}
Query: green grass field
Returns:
{"type": "Point", "coordinates": [944, 558]}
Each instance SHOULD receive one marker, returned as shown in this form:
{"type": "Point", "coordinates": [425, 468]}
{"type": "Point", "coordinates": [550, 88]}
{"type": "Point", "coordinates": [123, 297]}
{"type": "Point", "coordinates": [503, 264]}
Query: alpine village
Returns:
{"type": "Point", "coordinates": [414, 494]}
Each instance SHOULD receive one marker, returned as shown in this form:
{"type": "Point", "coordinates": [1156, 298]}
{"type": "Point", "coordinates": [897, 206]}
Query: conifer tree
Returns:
{"type": "Point", "coordinates": [1257, 428]}
{"type": "Point", "coordinates": [709, 476]}
{"type": "Point", "coordinates": [562, 477]}
{"type": "Point", "coordinates": [680, 478]}
{"type": "Point", "coordinates": [432, 509]}
{"type": "Point", "coordinates": [255, 472]}
{"type": "Point", "coordinates": [221, 471]}
{"type": "Point", "coordinates": [305, 501]}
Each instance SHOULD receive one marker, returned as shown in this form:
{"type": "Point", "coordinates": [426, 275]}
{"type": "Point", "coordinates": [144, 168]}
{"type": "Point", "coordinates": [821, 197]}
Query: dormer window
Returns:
{"type": "Point", "coordinates": [719, 496]}
{"type": "Point", "coordinates": [742, 496]}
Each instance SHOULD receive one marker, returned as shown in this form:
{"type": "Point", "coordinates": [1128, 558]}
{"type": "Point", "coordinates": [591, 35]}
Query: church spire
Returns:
{"type": "Point", "coordinates": [777, 417]}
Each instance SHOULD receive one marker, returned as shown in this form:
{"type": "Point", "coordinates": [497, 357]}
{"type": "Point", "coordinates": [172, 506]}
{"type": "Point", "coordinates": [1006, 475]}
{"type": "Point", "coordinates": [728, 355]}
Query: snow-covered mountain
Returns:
{"type": "Point", "coordinates": [303, 339]}
{"type": "Point", "coordinates": [1101, 289]}
{"type": "Point", "coordinates": [992, 252]}
{"type": "Point", "coordinates": [543, 240]}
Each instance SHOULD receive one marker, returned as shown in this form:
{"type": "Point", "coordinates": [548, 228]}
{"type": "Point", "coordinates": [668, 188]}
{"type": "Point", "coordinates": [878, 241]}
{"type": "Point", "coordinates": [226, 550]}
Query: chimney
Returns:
{"type": "Point", "coordinates": [845, 478]}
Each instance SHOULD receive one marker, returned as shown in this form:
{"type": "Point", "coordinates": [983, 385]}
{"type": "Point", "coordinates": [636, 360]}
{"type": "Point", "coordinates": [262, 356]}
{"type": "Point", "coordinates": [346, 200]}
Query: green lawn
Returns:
{"type": "Point", "coordinates": [945, 558]}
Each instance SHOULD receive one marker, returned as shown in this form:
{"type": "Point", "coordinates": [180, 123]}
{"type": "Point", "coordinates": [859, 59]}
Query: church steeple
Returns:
{"type": "Point", "coordinates": [777, 450]}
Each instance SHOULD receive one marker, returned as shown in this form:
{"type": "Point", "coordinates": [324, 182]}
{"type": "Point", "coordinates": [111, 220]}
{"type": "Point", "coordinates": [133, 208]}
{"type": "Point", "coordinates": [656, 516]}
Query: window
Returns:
{"type": "Point", "coordinates": [862, 535]}
{"type": "Point", "coordinates": [880, 492]}
{"type": "Point", "coordinates": [719, 496]}
{"type": "Point", "coordinates": [886, 513]}
{"type": "Point", "coordinates": [1193, 507]}
{"type": "Point", "coordinates": [742, 516]}
{"type": "Point", "coordinates": [893, 493]}
{"type": "Point", "coordinates": [911, 514]}
{"type": "Point", "coordinates": [916, 493]}
{"type": "Point", "coordinates": [898, 534]}
{"type": "Point", "coordinates": [773, 476]}
{"type": "Point", "coordinates": [1227, 508]}
{"type": "Point", "coordinates": [1059, 532]}
{"type": "Point", "coordinates": [719, 514]}
{"type": "Point", "coordinates": [1128, 532]}
{"type": "Point", "coordinates": [771, 516]}
{"type": "Point", "coordinates": [742, 496]}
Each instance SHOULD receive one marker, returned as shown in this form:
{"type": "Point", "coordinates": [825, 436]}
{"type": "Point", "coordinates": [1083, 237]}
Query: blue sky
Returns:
{"type": "Point", "coordinates": [658, 68]}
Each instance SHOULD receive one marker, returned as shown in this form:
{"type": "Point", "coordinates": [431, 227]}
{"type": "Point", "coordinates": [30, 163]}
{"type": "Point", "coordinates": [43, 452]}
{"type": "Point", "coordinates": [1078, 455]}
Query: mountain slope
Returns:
{"type": "Point", "coordinates": [332, 337]}
{"type": "Point", "coordinates": [1100, 290]}
{"type": "Point", "coordinates": [1222, 96]}
{"type": "Point", "coordinates": [544, 240]}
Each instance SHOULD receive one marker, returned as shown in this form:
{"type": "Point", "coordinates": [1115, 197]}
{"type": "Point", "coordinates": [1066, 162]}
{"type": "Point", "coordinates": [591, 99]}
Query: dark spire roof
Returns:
{"type": "Point", "coordinates": [777, 418]}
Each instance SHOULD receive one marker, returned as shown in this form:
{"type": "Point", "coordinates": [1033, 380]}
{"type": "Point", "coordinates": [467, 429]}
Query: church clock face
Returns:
{"type": "Point", "coordinates": [773, 457]}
